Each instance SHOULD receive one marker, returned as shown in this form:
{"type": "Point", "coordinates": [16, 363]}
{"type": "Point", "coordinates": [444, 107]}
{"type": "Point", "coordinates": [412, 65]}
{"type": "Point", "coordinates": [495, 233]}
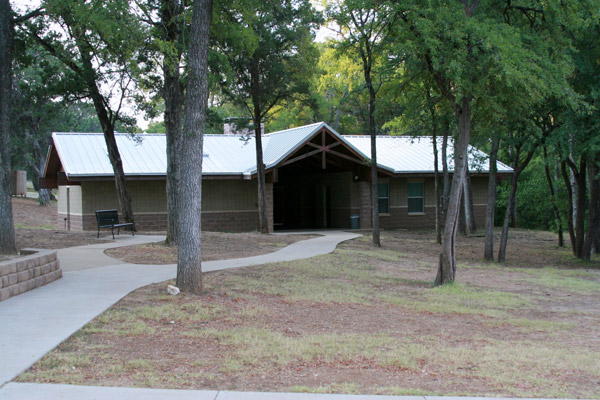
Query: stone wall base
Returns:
{"type": "Point", "coordinates": [26, 273]}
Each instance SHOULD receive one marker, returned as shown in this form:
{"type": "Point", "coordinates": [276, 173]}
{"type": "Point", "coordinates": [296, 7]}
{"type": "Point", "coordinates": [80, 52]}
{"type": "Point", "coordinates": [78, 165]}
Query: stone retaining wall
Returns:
{"type": "Point", "coordinates": [26, 273]}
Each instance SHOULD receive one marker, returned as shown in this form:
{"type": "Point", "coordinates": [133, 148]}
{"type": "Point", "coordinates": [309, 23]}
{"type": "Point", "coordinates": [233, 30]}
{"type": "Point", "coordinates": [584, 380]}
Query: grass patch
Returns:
{"type": "Point", "coordinates": [44, 227]}
{"type": "Point", "coordinates": [531, 325]}
{"type": "Point", "coordinates": [179, 312]}
{"type": "Point", "coordinates": [343, 277]}
{"type": "Point", "coordinates": [460, 298]}
{"type": "Point", "coordinates": [576, 281]}
{"type": "Point", "coordinates": [344, 387]}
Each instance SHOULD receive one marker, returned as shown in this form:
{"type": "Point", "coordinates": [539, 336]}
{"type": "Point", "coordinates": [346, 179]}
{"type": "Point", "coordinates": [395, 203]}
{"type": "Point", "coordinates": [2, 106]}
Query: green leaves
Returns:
{"type": "Point", "coordinates": [269, 52]}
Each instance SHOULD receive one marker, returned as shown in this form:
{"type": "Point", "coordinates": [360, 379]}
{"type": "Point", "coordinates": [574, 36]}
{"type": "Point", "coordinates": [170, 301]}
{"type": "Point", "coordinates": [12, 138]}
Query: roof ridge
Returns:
{"type": "Point", "coordinates": [298, 127]}
{"type": "Point", "coordinates": [392, 136]}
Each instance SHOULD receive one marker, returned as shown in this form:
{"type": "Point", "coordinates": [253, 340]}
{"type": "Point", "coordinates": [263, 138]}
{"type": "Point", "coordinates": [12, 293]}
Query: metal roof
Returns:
{"type": "Point", "coordinates": [84, 154]}
{"type": "Point", "coordinates": [414, 154]}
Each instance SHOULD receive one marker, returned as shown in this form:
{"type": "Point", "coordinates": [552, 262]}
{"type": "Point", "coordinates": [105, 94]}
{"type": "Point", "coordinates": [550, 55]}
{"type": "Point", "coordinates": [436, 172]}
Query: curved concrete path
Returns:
{"type": "Point", "coordinates": [35, 322]}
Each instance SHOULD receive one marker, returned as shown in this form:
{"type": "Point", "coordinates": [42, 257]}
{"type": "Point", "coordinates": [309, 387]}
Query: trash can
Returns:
{"type": "Point", "coordinates": [355, 221]}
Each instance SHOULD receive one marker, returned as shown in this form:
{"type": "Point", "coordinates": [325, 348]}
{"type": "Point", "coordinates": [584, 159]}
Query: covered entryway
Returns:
{"type": "Point", "coordinates": [316, 186]}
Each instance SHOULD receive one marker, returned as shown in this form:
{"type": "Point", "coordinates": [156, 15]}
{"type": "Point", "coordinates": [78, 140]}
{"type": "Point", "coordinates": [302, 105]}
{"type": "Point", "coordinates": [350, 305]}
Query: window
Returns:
{"type": "Point", "coordinates": [384, 197]}
{"type": "Point", "coordinates": [415, 198]}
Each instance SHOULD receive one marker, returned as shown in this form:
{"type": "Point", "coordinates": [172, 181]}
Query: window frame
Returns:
{"type": "Point", "coordinates": [422, 197]}
{"type": "Point", "coordinates": [379, 197]}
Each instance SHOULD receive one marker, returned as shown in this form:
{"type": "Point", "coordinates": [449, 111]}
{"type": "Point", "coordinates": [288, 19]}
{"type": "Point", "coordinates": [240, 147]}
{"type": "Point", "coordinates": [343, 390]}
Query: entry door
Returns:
{"type": "Point", "coordinates": [322, 206]}
{"type": "Point", "coordinates": [278, 206]}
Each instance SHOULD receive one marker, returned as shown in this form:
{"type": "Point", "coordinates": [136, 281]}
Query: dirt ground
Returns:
{"type": "Point", "coordinates": [36, 226]}
{"type": "Point", "coordinates": [361, 320]}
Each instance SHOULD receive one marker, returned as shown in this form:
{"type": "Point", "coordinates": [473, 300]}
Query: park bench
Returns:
{"type": "Point", "coordinates": [110, 219]}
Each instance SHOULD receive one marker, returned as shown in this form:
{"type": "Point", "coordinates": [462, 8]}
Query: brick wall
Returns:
{"type": "Point", "coordinates": [364, 194]}
{"type": "Point", "coordinates": [269, 198]}
{"type": "Point", "coordinates": [26, 273]}
{"type": "Point", "coordinates": [244, 221]}
{"type": "Point", "coordinates": [399, 218]}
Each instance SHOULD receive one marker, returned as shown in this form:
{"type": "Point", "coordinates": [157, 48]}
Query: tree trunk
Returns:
{"type": "Point", "coordinates": [255, 92]}
{"type": "Point", "coordinates": [513, 215]}
{"type": "Point", "coordinates": [189, 252]}
{"type": "Point", "coordinates": [490, 211]}
{"type": "Point", "coordinates": [462, 227]}
{"type": "Point", "coordinates": [172, 92]}
{"type": "Point", "coordinates": [117, 164]}
{"type": "Point", "coordinates": [570, 227]}
{"type": "Point", "coordinates": [514, 155]}
{"type": "Point", "coordinates": [7, 229]}
{"type": "Point", "coordinates": [174, 147]}
{"type": "Point", "coordinates": [559, 228]}
{"type": "Point", "coordinates": [507, 217]}
{"type": "Point", "coordinates": [108, 128]}
{"type": "Point", "coordinates": [367, 61]}
{"type": "Point", "coordinates": [374, 181]}
{"type": "Point", "coordinates": [338, 112]}
{"type": "Point", "coordinates": [470, 226]}
{"type": "Point", "coordinates": [446, 192]}
{"type": "Point", "coordinates": [581, 198]}
{"type": "Point", "coordinates": [447, 263]}
{"type": "Point", "coordinates": [37, 166]}
{"type": "Point", "coordinates": [436, 169]}
{"type": "Point", "coordinates": [576, 188]}
{"type": "Point", "coordinates": [436, 182]}
{"type": "Point", "coordinates": [593, 224]}
{"type": "Point", "coordinates": [511, 207]}
{"type": "Point", "coordinates": [263, 220]}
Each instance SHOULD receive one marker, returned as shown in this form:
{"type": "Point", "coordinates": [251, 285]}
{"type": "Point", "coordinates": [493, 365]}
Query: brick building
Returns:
{"type": "Point", "coordinates": [316, 178]}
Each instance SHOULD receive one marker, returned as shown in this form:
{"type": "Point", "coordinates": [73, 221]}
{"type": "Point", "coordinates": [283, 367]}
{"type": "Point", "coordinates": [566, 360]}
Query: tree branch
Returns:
{"type": "Point", "coordinates": [32, 14]}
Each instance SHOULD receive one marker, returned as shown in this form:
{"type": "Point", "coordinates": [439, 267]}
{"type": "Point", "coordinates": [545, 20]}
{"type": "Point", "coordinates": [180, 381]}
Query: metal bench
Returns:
{"type": "Point", "coordinates": [110, 219]}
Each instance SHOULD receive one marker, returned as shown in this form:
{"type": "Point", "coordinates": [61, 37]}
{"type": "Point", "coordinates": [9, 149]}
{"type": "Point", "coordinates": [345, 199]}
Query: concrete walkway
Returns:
{"type": "Point", "coordinates": [35, 391]}
{"type": "Point", "coordinates": [35, 322]}
{"type": "Point", "coordinates": [92, 255]}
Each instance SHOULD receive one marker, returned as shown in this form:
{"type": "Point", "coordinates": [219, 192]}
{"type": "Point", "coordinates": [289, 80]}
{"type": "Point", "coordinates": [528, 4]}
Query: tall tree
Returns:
{"type": "Point", "coordinates": [169, 32]}
{"type": "Point", "coordinates": [189, 191]}
{"type": "Point", "coordinates": [7, 232]}
{"type": "Point", "coordinates": [340, 79]}
{"type": "Point", "coordinates": [468, 46]}
{"type": "Point", "coordinates": [101, 42]}
{"type": "Point", "coordinates": [490, 211]}
{"type": "Point", "coordinates": [271, 56]}
{"type": "Point", "coordinates": [364, 27]}
{"type": "Point", "coordinates": [424, 111]}
{"type": "Point", "coordinates": [41, 106]}
{"type": "Point", "coordinates": [578, 141]}
{"type": "Point", "coordinates": [553, 200]}
{"type": "Point", "coordinates": [524, 147]}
